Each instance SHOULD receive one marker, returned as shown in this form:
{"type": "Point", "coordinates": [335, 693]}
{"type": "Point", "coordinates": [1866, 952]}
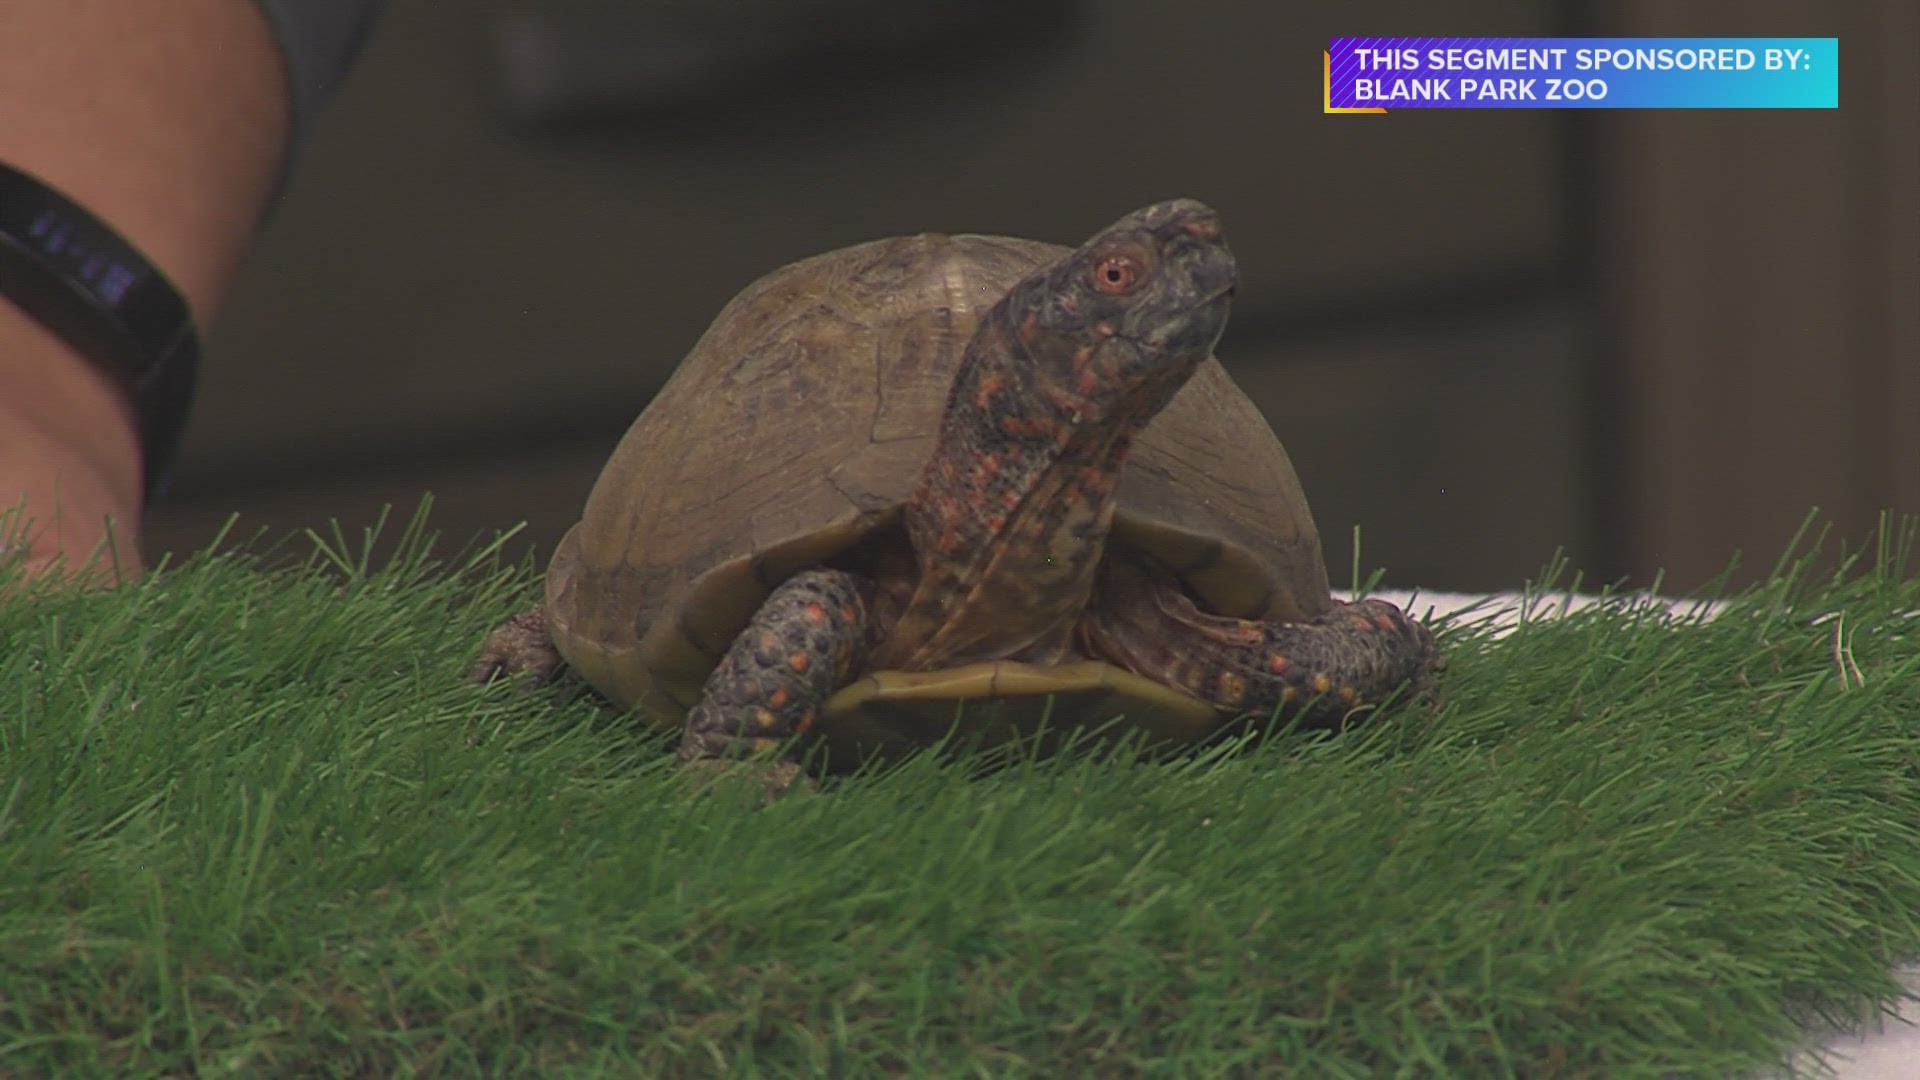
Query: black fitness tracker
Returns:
{"type": "Point", "coordinates": [76, 276]}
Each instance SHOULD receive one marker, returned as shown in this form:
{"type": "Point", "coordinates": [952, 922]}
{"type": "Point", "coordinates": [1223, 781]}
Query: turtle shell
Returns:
{"type": "Point", "coordinates": [797, 427]}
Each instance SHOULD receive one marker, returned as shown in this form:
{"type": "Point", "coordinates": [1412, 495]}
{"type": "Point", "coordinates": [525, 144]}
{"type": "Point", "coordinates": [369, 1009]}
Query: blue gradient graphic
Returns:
{"type": "Point", "coordinates": [1813, 83]}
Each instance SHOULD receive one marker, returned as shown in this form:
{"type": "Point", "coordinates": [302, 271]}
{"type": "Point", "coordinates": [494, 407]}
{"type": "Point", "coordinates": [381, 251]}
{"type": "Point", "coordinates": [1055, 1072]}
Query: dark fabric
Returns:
{"type": "Point", "coordinates": [320, 40]}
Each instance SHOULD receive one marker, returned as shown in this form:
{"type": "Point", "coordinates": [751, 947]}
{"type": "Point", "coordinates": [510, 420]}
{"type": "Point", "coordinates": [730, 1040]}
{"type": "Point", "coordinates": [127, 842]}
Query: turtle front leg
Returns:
{"type": "Point", "coordinates": [1346, 660]}
{"type": "Point", "coordinates": [802, 645]}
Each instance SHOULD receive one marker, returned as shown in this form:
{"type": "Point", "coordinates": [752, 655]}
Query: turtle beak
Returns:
{"type": "Point", "coordinates": [1190, 231]}
{"type": "Point", "coordinates": [1213, 278]}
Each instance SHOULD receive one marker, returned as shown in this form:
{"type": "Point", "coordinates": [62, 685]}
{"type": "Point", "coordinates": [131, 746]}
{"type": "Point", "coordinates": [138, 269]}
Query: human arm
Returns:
{"type": "Point", "coordinates": [170, 123]}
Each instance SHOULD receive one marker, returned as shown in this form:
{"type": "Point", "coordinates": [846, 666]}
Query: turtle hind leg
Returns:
{"type": "Point", "coordinates": [802, 645]}
{"type": "Point", "coordinates": [521, 646]}
{"type": "Point", "coordinates": [1350, 658]}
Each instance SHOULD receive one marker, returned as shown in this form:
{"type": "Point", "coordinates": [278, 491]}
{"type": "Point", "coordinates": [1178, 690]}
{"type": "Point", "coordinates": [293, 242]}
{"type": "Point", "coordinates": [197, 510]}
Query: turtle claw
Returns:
{"type": "Point", "coordinates": [521, 647]}
{"type": "Point", "coordinates": [776, 778]}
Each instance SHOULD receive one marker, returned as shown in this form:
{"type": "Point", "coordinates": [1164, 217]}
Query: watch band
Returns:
{"type": "Point", "coordinates": [76, 276]}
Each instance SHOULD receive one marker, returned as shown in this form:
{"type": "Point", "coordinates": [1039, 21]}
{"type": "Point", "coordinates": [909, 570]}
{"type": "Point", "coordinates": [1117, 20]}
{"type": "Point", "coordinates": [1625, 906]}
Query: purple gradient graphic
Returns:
{"type": "Point", "coordinates": [1766, 73]}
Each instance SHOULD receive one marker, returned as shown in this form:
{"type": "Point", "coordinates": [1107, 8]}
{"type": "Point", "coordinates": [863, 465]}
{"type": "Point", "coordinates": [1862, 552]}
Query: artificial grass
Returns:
{"type": "Point", "coordinates": [254, 822]}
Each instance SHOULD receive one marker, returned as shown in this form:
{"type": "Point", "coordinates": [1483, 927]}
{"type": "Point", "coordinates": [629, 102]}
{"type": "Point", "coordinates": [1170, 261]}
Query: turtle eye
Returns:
{"type": "Point", "coordinates": [1115, 274]}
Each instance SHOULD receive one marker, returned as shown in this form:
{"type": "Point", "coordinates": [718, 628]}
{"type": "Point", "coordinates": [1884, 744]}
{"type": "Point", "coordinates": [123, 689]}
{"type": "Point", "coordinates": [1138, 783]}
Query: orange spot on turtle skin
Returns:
{"type": "Point", "coordinates": [997, 522]}
{"type": "Point", "coordinates": [778, 697]}
{"type": "Point", "coordinates": [1028, 325]}
{"type": "Point", "coordinates": [1386, 622]}
{"type": "Point", "coordinates": [800, 662]}
{"type": "Point", "coordinates": [1232, 688]}
{"type": "Point", "coordinates": [765, 719]}
{"type": "Point", "coordinates": [990, 386]}
{"type": "Point", "coordinates": [804, 724]}
{"type": "Point", "coordinates": [1082, 356]}
{"type": "Point", "coordinates": [1202, 229]}
{"type": "Point", "coordinates": [849, 616]}
{"type": "Point", "coordinates": [1250, 634]}
{"type": "Point", "coordinates": [1322, 684]}
{"type": "Point", "coordinates": [1096, 481]}
{"type": "Point", "coordinates": [768, 643]}
{"type": "Point", "coordinates": [817, 613]}
{"type": "Point", "coordinates": [1105, 330]}
{"type": "Point", "coordinates": [989, 463]}
{"type": "Point", "coordinates": [1287, 695]}
{"type": "Point", "coordinates": [1278, 664]}
{"type": "Point", "coordinates": [1349, 695]}
{"type": "Point", "coordinates": [1089, 381]}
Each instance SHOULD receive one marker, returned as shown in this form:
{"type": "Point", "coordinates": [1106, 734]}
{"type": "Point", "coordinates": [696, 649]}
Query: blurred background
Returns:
{"type": "Point", "coordinates": [1649, 340]}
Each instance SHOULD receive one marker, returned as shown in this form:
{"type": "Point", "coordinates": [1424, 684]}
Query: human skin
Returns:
{"type": "Point", "coordinates": [168, 122]}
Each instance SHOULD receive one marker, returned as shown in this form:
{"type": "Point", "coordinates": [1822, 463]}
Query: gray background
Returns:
{"type": "Point", "coordinates": [1647, 339]}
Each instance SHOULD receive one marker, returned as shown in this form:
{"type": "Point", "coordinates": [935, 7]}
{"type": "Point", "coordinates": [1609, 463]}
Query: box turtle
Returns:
{"type": "Point", "coordinates": [939, 479]}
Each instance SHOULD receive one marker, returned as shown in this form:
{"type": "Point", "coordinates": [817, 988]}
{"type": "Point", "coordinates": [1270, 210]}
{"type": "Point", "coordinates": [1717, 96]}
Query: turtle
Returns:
{"type": "Point", "coordinates": [971, 480]}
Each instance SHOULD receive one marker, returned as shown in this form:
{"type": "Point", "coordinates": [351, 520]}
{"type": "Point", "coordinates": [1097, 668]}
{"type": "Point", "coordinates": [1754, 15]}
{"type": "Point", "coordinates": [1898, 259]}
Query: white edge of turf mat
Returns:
{"type": "Point", "coordinates": [1888, 1049]}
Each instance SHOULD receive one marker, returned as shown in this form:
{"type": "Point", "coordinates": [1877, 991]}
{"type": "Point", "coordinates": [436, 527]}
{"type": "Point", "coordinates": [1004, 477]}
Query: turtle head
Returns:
{"type": "Point", "coordinates": [1124, 320]}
